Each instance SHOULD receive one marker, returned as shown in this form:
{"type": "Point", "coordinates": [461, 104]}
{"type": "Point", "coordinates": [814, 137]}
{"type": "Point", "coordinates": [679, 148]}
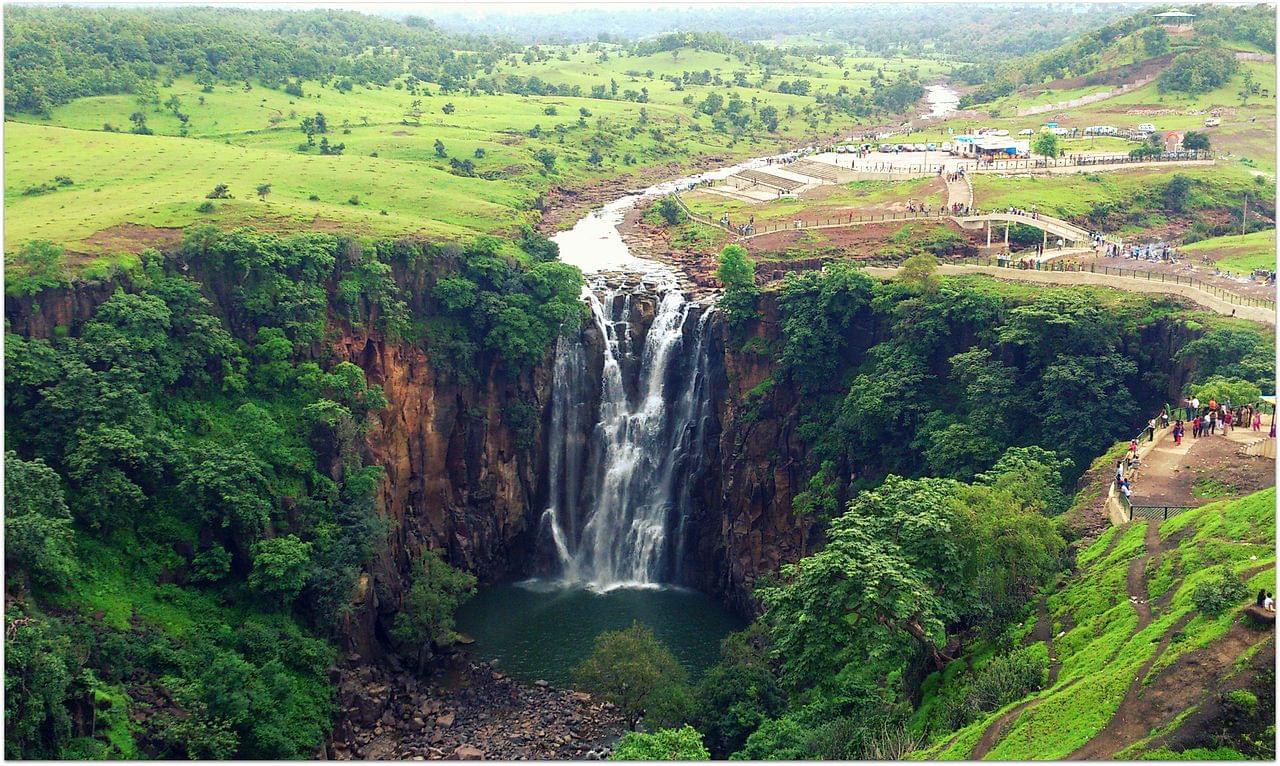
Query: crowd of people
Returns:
{"type": "Point", "coordinates": [1212, 418]}
{"type": "Point", "coordinates": [1204, 418]}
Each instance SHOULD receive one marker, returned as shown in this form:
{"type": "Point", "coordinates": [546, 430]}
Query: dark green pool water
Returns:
{"type": "Point", "coordinates": [541, 630]}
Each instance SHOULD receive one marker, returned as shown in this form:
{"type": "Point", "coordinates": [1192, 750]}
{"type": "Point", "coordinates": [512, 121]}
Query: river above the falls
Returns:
{"type": "Point", "coordinates": [540, 630]}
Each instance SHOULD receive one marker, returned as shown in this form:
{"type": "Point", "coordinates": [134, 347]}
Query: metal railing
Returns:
{"type": "Point", "coordinates": [1154, 512]}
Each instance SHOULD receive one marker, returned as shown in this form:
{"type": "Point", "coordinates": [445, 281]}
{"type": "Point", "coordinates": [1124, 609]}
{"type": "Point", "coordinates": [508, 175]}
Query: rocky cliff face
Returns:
{"type": "Point", "coordinates": [744, 525]}
{"type": "Point", "coordinates": [461, 472]}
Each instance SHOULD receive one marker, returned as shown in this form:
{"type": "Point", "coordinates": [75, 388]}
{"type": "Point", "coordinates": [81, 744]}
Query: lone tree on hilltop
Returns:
{"type": "Point", "coordinates": [263, 191]}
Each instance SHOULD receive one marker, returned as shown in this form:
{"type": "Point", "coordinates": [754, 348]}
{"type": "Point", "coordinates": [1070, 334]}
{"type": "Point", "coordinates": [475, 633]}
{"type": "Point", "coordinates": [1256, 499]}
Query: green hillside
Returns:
{"type": "Point", "coordinates": [1103, 644]}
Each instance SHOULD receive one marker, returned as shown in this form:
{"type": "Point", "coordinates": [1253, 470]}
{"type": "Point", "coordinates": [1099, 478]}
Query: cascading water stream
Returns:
{"type": "Point", "coordinates": [619, 489]}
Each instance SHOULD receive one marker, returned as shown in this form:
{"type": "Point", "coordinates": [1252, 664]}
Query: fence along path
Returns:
{"type": "Point", "coordinates": [1210, 296]}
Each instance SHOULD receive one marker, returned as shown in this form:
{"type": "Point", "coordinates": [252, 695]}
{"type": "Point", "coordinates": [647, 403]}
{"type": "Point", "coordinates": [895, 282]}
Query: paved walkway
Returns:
{"type": "Point", "coordinates": [1205, 299]}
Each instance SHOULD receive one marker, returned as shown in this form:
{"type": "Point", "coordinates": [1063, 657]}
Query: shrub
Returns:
{"type": "Point", "coordinates": [426, 616]}
{"type": "Point", "coordinates": [1220, 591]}
{"type": "Point", "coordinates": [205, 207]}
{"type": "Point", "coordinates": [671, 211]}
{"type": "Point", "coordinates": [683, 744]}
{"type": "Point", "coordinates": [999, 682]}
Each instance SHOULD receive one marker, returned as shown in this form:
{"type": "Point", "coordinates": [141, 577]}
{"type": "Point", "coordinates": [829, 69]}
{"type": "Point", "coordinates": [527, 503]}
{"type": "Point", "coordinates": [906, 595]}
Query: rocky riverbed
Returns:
{"type": "Point", "coordinates": [466, 711]}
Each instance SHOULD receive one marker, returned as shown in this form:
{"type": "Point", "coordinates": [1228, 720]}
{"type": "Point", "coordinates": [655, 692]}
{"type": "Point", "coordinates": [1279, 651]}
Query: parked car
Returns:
{"type": "Point", "coordinates": [1212, 122]}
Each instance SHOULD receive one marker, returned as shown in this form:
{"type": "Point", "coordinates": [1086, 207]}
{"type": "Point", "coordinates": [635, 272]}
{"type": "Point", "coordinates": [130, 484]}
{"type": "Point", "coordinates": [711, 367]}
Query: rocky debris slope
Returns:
{"type": "Point", "coordinates": [467, 712]}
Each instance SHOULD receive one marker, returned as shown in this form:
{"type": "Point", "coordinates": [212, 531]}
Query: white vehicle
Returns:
{"type": "Point", "coordinates": [1026, 132]}
{"type": "Point", "coordinates": [1212, 122]}
{"type": "Point", "coordinates": [1146, 127]}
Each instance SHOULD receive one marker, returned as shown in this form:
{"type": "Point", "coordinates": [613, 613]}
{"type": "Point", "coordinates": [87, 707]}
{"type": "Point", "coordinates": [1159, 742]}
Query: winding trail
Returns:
{"type": "Point", "coordinates": [1043, 632]}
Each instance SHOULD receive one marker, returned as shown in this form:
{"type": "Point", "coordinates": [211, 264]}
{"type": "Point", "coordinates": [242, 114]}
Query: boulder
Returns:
{"type": "Point", "coordinates": [468, 753]}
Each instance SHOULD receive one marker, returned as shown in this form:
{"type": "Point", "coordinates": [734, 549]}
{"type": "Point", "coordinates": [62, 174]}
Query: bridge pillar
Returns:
{"type": "Point", "coordinates": [988, 233]}
{"type": "Point", "coordinates": [1045, 243]}
{"type": "Point", "coordinates": [1006, 235]}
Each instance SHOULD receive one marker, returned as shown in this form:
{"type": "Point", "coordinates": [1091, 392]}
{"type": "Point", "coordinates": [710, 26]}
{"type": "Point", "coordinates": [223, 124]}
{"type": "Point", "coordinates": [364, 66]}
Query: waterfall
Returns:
{"type": "Point", "coordinates": [624, 449]}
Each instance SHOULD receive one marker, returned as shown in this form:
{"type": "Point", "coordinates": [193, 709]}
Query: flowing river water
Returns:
{"type": "Point", "coordinates": [623, 445]}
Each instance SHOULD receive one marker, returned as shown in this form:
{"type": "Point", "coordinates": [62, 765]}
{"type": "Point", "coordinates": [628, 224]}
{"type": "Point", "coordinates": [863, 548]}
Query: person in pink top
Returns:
{"type": "Point", "coordinates": [1257, 420]}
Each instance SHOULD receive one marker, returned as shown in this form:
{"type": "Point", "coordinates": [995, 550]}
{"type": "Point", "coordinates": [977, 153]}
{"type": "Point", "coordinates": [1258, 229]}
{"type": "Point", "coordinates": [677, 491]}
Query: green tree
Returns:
{"type": "Point", "coordinates": [435, 592]}
{"type": "Point", "coordinates": [921, 272]}
{"type": "Point", "coordinates": [769, 118]}
{"type": "Point", "coordinates": [1045, 144]}
{"type": "Point", "coordinates": [1176, 192]}
{"type": "Point", "coordinates": [547, 158]}
{"type": "Point", "coordinates": [671, 211]}
{"type": "Point", "coordinates": [39, 265]}
{"type": "Point", "coordinates": [738, 275]}
{"type": "Point", "coordinates": [1233, 391]}
{"type": "Point", "coordinates": [263, 190]}
{"type": "Point", "coordinates": [280, 567]}
{"type": "Point", "coordinates": [1155, 41]}
{"type": "Point", "coordinates": [1196, 140]}
{"type": "Point", "coordinates": [440, 150]}
{"type": "Point", "coordinates": [634, 671]}
{"type": "Point", "coordinates": [39, 541]}
{"type": "Point", "coordinates": [39, 668]}
{"type": "Point", "coordinates": [1198, 71]}
{"type": "Point", "coordinates": [683, 744]}
{"type": "Point", "coordinates": [737, 694]}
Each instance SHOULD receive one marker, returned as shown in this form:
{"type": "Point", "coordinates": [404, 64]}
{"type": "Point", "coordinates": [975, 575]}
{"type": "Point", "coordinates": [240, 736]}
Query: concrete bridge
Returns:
{"type": "Point", "coordinates": [1067, 231]}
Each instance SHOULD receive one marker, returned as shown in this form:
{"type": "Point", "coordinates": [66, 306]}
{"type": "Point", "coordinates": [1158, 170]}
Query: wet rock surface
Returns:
{"type": "Point", "coordinates": [466, 712]}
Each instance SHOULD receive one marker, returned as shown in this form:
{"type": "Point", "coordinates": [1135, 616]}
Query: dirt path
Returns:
{"type": "Point", "coordinates": [1136, 579]}
{"type": "Point", "coordinates": [1170, 473]}
{"type": "Point", "coordinates": [1193, 677]}
{"type": "Point", "coordinates": [1043, 632]}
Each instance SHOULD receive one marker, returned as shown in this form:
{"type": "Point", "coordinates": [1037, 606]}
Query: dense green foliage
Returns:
{"type": "Point", "coordinates": [53, 56]}
{"type": "Point", "coordinates": [187, 484]}
{"type": "Point", "coordinates": [902, 378]}
{"type": "Point", "coordinates": [631, 669]}
{"type": "Point", "coordinates": [177, 449]}
{"type": "Point", "coordinates": [1198, 71]}
{"type": "Point", "coordinates": [683, 744]}
{"type": "Point", "coordinates": [737, 273]}
{"type": "Point", "coordinates": [435, 593]}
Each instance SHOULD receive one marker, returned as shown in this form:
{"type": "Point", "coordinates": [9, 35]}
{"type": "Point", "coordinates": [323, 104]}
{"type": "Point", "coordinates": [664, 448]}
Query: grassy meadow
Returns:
{"type": "Point", "coordinates": [392, 176]}
{"type": "Point", "coordinates": [1239, 252]}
